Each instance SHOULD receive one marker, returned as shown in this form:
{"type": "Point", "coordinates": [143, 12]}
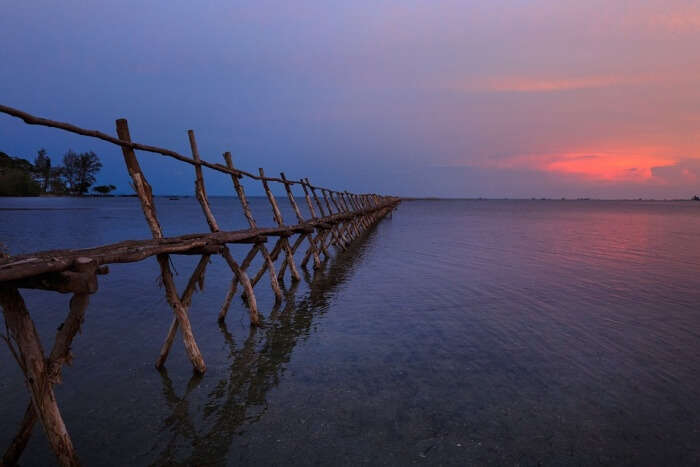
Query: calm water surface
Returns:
{"type": "Point", "coordinates": [456, 333]}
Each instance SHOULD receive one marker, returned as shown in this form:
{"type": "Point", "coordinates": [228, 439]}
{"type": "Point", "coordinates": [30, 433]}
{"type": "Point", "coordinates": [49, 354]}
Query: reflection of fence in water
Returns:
{"type": "Point", "coordinates": [240, 398]}
{"type": "Point", "coordinates": [342, 217]}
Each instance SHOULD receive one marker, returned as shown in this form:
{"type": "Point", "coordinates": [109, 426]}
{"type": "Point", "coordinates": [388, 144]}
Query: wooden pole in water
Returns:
{"type": "Point", "coordinates": [308, 199]}
{"type": "Point", "coordinates": [312, 244]}
{"type": "Point", "coordinates": [318, 203]}
{"type": "Point", "coordinates": [278, 218]}
{"type": "Point", "coordinates": [199, 189]}
{"type": "Point", "coordinates": [198, 274]}
{"type": "Point", "coordinates": [273, 256]}
{"type": "Point", "coordinates": [321, 210]}
{"type": "Point", "coordinates": [239, 272]}
{"type": "Point", "coordinates": [145, 194]}
{"type": "Point", "coordinates": [343, 232]}
{"type": "Point", "coordinates": [31, 359]}
{"type": "Point", "coordinates": [186, 299]}
{"type": "Point", "coordinates": [247, 286]}
{"type": "Point", "coordinates": [60, 354]}
{"type": "Point", "coordinates": [335, 203]}
{"type": "Point", "coordinates": [240, 192]}
{"type": "Point", "coordinates": [322, 235]}
{"type": "Point", "coordinates": [292, 201]}
{"type": "Point", "coordinates": [324, 232]}
{"type": "Point", "coordinates": [269, 263]}
{"type": "Point", "coordinates": [293, 248]}
{"type": "Point", "coordinates": [354, 222]}
{"type": "Point", "coordinates": [325, 198]}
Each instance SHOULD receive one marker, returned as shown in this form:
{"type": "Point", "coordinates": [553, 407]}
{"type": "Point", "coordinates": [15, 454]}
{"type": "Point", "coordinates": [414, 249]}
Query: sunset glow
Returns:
{"type": "Point", "coordinates": [536, 98]}
{"type": "Point", "coordinates": [609, 166]}
{"type": "Point", "coordinates": [454, 232]}
{"type": "Point", "coordinates": [633, 165]}
{"type": "Point", "coordinates": [548, 84]}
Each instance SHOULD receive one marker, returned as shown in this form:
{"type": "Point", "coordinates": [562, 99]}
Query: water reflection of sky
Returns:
{"type": "Point", "coordinates": [460, 332]}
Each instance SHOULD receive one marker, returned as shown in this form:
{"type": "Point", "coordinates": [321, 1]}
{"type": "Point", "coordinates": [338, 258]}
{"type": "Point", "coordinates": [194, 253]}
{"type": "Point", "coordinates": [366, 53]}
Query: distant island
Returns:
{"type": "Point", "coordinates": [20, 177]}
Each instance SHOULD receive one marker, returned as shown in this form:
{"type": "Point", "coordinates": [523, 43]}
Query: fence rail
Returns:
{"type": "Point", "coordinates": [34, 120]}
{"type": "Point", "coordinates": [342, 218]}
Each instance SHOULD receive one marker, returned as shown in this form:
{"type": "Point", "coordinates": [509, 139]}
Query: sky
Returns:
{"type": "Point", "coordinates": [537, 98]}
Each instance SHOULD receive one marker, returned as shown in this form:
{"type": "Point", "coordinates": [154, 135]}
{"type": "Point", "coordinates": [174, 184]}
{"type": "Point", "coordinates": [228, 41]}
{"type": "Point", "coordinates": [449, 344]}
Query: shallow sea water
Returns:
{"type": "Point", "coordinates": [456, 333]}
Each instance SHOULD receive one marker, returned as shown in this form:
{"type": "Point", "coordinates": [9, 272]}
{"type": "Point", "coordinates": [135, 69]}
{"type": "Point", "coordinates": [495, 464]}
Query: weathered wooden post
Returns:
{"type": "Point", "coordinates": [323, 229]}
{"type": "Point", "coordinates": [312, 244]}
{"type": "Point", "coordinates": [239, 272]}
{"type": "Point", "coordinates": [308, 199]}
{"type": "Point", "coordinates": [197, 277]}
{"type": "Point", "coordinates": [81, 281]}
{"type": "Point", "coordinates": [325, 198]}
{"type": "Point", "coordinates": [334, 232]}
{"type": "Point", "coordinates": [269, 263]}
{"type": "Point", "coordinates": [280, 222]}
{"type": "Point", "coordinates": [318, 203]}
{"type": "Point", "coordinates": [345, 231]}
{"type": "Point", "coordinates": [30, 357]}
{"type": "Point", "coordinates": [145, 194]}
{"type": "Point", "coordinates": [334, 238]}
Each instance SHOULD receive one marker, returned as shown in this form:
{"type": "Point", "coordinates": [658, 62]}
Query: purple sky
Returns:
{"type": "Point", "coordinates": [417, 98]}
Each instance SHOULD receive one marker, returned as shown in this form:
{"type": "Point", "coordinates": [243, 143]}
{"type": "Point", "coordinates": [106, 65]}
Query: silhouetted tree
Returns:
{"type": "Point", "coordinates": [17, 177]}
{"type": "Point", "coordinates": [79, 170]}
{"type": "Point", "coordinates": [42, 165]}
{"type": "Point", "coordinates": [14, 182]}
{"type": "Point", "coordinates": [104, 189]}
{"type": "Point", "coordinates": [57, 183]}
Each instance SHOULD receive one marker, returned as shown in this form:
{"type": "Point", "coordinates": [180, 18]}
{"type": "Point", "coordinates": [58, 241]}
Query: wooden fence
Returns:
{"type": "Point", "coordinates": [336, 219]}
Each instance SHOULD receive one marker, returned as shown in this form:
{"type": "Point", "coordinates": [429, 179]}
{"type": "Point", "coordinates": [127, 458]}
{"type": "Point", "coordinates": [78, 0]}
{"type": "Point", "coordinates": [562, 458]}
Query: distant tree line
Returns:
{"type": "Point", "coordinates": [19, 177]}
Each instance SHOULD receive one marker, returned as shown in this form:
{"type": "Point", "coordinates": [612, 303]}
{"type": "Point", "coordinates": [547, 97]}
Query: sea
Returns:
{"type": "Point", "coordinates": [455, 332]}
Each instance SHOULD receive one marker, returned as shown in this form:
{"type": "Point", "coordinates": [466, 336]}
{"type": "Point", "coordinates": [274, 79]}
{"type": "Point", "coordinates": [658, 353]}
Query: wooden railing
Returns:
{"type": "Point", "coordinates": [341, 218]}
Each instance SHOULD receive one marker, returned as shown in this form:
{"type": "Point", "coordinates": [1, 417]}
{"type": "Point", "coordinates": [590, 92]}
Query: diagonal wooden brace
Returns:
{"type": "Point", "coordinates": [196, 278]}
{"type": "Point", "coordinates": [181, 315]}
{"type": "Point", "coordinates": [31, 359]}
{"type": "Point", "coordinates": [85, 272]}
{"type": "Point", "coordinates": [242, 277]}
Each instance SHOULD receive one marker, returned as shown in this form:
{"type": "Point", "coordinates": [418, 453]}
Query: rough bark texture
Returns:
{"type": "Point", "coordinates": [199, 189]}
{"type": "Point", "coordinates": [185, 299]}
{"type": "Point", "coordinates": [270, 265]}
{"type": "Point", "coordinates": [34, 264]}
{"type": "Point", "coordinates": [280, 222]}
{"type": "Point", "coordinates": [312, 244]}
{"type": "Point", "coordinates": [60, 354]}
{"type": "Point", "coordinates": [143, 190]}
{"type": "Point", "coordinates": [33, 363]}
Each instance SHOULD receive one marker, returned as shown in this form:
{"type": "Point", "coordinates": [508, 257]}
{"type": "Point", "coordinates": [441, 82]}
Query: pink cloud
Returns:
{"type": "Point", "coordinates": [630, 165]}
{"type": "Point", "coordinates": [687, 21]}
{"type": "Point", "coordinates": [525, 84]}
{"type": "Point", "coordinates": [688, 74]}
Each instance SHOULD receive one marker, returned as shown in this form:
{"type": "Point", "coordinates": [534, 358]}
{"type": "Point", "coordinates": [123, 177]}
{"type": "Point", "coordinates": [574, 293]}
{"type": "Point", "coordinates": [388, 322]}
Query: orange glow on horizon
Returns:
{"type": "Point", "coordinates": [542, 83]}
{"type": "Point", "coordinates": [631, 166]}
{"type": "Point", "coordinates": [526, 84]}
